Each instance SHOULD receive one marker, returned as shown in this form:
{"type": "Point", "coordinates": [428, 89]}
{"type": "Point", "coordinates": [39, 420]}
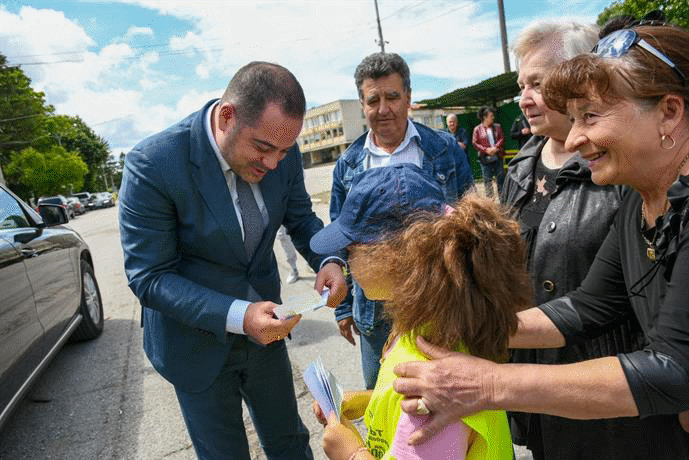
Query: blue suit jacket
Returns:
{"type": "Point", "coordinates": [183, 249]}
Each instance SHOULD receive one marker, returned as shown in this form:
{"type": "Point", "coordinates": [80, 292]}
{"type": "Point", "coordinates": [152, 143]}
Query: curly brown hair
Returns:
{"type": "Point", "coordinates": [460, 277]}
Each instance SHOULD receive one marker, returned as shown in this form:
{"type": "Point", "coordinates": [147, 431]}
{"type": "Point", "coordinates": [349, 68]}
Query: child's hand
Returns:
{"type": "Point", "coordinates": [341, 439]}
{"type": "Point", "coordinates": [354, 404]}
{"type": "Point", "coordinates": [318, 412]}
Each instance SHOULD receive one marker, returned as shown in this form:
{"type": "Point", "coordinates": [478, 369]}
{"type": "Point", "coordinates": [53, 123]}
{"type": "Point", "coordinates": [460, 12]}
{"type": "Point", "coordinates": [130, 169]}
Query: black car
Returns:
{"type": "Point", "coordinates": [48, 293]}
{"type": "Point", "coordinates": [59, 200]}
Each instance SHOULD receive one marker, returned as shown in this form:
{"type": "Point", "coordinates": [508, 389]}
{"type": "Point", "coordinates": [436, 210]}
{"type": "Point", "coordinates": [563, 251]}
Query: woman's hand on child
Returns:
{"type": "Point", "coordinates": [453, 385]}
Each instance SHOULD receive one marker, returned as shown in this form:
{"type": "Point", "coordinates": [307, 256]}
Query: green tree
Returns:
{"type": "Point", "coordinates": [51, 172]}
{"type": "Point", "coordinates": [75, 135]}
{"type": "Point", "coordinates": [676, 11]}
{"type": "Point", "coordinates": [22, 111]}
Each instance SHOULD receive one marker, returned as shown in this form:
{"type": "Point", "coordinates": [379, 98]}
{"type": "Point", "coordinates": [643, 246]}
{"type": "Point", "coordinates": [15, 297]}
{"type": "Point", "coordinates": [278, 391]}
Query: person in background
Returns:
{"type": "Point", "coordinates": [290, 254]}
{"type": "Point", "coordinates": [384, 86]}
{"type": "Point", "coordinates": [564, 218]}
{"type": "Point", "coordinates": [451, 275]}
{"type": "Point", "coordinates": [520, 130]}
{"type": "Point", "coordinates": [628, 101]}
{"type": "Point", "coordinates": [199, 206]}
{"type": "Point", "coordinates": [489, 141]}
{"type": "Point", "coordinates": [459, 133]}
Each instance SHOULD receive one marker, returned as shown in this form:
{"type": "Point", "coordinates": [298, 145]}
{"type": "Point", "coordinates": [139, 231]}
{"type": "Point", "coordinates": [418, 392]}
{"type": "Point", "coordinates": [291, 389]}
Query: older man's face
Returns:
{"type": "Point", "coordinates": [386, 106]}
{"type": "Point", "coordinates": [452, 124]}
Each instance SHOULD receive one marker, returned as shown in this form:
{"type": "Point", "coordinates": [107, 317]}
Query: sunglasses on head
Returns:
{"type": "Point", "coordinates": [617, 43]}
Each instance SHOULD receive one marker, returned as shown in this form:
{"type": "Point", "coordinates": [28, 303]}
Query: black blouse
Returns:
{"type": "Point", "coordinates": [623, 278]}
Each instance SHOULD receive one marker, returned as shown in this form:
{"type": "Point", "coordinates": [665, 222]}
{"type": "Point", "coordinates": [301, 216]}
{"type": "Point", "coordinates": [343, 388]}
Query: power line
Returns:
{"type": "Point", "coordinates": [22, 118]}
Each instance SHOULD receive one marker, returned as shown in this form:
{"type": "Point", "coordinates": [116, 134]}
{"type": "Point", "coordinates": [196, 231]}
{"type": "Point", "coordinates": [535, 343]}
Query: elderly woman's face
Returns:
{"type": "Point", "coordinates": [620, 140]}
{"type": "Point", "coordinates": [543, 120]}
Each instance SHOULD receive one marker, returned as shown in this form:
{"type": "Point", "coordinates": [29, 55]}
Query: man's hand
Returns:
{"type": "Point", "coordinates": [331, 276]}
{"type": "Point", "coordinates": [260, 324]}
{"type": "Point", "coordinates": [684, 420]}
{"type": "Point", "coordinates": [348, 329]}
{"type": "Point", "coordinates": [526, 131]}
{"type": "Point", "coordinates": [462, 145]}
{"type": "Point", "coordinates": [453, 385]}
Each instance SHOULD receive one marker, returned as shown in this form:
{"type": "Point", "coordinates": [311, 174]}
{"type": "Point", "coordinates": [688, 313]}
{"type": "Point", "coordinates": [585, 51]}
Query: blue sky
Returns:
{"type": "Point", "coordinates": [130, 68]}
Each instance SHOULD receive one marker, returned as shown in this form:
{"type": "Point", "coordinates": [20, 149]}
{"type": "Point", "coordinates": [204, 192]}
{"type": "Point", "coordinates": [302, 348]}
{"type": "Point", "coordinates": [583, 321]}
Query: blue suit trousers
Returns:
{"type": "Point", "coordinates": [262, 377]}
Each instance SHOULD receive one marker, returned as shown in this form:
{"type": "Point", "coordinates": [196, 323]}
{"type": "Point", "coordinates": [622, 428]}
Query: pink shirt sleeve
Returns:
{"type": "Point", "coordinates": [451, 443]}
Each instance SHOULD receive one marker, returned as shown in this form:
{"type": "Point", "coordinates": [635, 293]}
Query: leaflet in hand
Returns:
{"type": "Point", "coordinates": [286, 312]}
{"type": "Point", "coordinates": [324, 388]}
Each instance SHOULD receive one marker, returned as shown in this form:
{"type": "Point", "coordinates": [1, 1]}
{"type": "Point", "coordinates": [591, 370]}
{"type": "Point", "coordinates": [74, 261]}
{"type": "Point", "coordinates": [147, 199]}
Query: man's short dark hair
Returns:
{"type": "Point", "coordinates": [379, 65]}
{"type": "Point", "coordinates": [258, 84]}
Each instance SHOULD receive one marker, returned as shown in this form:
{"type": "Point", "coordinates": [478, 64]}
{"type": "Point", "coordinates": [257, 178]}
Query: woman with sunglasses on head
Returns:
{"type": "Point", "coordinates": [629, 103]}
{"type": "Point", "coordinates": [564, 218]}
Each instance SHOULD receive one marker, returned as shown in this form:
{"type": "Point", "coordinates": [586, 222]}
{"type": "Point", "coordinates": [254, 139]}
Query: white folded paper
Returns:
{"type": "Point", "coordinates": [324, 388]}
{"type": "Point", "coordinates": [286, 312]}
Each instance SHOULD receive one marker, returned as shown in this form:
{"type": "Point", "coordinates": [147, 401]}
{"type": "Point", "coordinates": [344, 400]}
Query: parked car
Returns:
{"type": "Point", "coordinates": [85, 199]}
{"type": "Point", "coordinates": [75, 204]}
{"type": "Point", "coordinates": [48, 293]}
{"type": "Point", "coordinates": [103, 200]}
{"type": "Point", "coordinates": [60, 200]}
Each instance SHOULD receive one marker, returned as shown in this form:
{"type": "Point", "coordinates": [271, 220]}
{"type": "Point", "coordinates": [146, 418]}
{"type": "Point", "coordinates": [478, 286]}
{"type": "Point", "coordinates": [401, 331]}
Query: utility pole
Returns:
{"type": "Point", "coordinates": [380, 30]}
{"type": "Point", "coordinates": [503, 36]}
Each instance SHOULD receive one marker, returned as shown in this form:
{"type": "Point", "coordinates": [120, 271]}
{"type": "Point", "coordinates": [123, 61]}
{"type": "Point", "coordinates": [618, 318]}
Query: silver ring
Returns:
{"type": "Point", "coordinates": [421, 407]}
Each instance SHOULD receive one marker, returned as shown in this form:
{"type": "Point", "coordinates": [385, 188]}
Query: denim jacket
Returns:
{"type": "Point", "coordinates": [443, 159]}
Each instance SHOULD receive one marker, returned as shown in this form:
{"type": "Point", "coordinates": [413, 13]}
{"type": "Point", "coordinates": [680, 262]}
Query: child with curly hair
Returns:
{"type": "Point", "coordinates": [455, 276]}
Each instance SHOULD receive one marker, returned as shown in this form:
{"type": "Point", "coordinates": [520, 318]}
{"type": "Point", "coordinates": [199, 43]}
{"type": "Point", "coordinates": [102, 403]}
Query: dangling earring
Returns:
{"type": "Point", "coordinates": [663, 138]}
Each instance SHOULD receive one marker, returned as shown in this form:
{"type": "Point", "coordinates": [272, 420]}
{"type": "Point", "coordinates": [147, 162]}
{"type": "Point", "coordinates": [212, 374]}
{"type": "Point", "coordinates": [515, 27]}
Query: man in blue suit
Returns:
{"type": "Point", "coordinates": [200, 205]}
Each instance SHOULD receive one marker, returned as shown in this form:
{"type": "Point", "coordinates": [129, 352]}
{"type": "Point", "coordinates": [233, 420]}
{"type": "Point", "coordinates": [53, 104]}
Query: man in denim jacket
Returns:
{"type": "Point", "coordinates": [384, 86]}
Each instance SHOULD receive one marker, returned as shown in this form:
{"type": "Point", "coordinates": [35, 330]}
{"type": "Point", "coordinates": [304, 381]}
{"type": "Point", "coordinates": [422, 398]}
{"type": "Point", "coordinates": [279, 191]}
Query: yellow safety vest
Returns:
{"type": "Point", "coordinates": [493, 440]}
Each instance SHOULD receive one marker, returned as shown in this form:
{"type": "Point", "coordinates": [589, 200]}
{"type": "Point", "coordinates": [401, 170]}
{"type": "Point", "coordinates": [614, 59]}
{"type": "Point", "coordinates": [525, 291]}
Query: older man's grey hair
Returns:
{"type": "Point", "coordinates": [566, 39]}
{"type": "Point", "coordinates": [379, 65]}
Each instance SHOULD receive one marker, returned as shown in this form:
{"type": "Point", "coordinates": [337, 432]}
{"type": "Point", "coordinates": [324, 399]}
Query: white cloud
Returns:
{"type": "Point", "coordinates": [126, 93]}
{"type": "Point", "coordinates": [134, 31]}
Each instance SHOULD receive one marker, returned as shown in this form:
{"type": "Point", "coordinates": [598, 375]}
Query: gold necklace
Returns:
{"type": "Point", "coordinates": [651, 245]}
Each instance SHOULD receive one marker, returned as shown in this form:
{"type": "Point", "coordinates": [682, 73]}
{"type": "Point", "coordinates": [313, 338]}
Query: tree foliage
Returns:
{"type": "Point", "coordinates": [76, 136]}
{"type": "Point", "coordinates": [676, 11]}
{"type": "Point", "coordinates": [22, 111]}
{"type": "Point", "coordinates": [51, 172]}
{"type": "Point", "coordinates": [29, 127]}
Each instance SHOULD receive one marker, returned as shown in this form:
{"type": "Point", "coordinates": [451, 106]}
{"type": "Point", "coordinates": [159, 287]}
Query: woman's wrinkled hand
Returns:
{"type": "Point", "coordinates": [453, 385]}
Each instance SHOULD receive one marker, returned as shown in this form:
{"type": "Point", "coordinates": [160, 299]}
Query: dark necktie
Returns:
{"type": "Point", "coordinates": [252, 220]}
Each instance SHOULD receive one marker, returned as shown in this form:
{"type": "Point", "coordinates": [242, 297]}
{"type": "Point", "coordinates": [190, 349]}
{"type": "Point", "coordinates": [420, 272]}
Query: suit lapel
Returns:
{"type": "Point", "coordinates": [211, 183]}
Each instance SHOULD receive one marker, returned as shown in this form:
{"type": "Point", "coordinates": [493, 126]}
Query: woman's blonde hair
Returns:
{"type": "Point", "coordinates": [460, 277]}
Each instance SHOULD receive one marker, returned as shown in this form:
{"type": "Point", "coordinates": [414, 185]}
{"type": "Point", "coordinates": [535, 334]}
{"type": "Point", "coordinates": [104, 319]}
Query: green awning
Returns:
{"type": "Point", "coordinates": [487, 92]}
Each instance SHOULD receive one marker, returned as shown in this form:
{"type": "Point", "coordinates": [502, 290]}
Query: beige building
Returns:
{"type": "Point", "coordinates": [329, 129]}
{"type": "Point", "coordinates": [433, 118]}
